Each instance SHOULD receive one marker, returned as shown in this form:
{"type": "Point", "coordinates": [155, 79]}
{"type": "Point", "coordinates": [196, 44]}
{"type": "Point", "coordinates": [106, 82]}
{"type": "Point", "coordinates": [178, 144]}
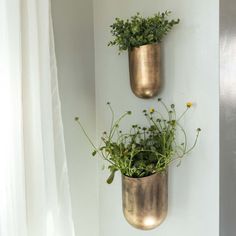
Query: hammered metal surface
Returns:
{"type": "Point", "coordinates": [145, 200]}
{"type": "Point", "coordinates": [144, 68]}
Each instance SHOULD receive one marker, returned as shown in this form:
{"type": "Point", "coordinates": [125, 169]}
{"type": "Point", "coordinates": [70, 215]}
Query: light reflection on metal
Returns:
{"type": "Point", "coordinates": [144, 68]}
{"type": "Point", "coordinates": [145, 200]}
{"type": "Point", "coordinates": [227, 117]}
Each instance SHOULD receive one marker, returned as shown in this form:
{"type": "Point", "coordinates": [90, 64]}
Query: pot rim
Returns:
{"type": "Point", "coordinates": [145, 45]}
{"type": "Point", "coordinates": [133, 178]}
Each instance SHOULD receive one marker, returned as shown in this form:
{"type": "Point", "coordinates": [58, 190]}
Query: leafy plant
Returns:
{"type": "Point", "coordinates": [139, 31]}
{"type": "Point", "coordinates": [144, 150]}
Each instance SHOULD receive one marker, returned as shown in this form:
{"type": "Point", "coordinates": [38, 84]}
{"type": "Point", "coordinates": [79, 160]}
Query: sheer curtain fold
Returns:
{"type": "Point", "coordinates": [33, 169]}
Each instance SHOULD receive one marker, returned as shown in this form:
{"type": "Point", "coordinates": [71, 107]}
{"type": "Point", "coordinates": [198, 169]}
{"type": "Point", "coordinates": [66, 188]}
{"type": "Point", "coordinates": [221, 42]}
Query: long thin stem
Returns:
{"type": "Point", "coordinates": [112, 115]}
{"type": "Point", "coordinates": [90, 141]}
{"type": "Point", "coordinates": [189, 150]}
{"type": "Point", "coordinates": [185, 137]}
{"type": "Point", "coordinates": [194, 144]}
{"type": "Point", "coordinates": [115, 126]}
{"type": "Point", "coordinates": [88, 138]}
{"type": "Point", "coordinates": [183, 114]}
{"type": "Point", "coordinates": [166, 108]}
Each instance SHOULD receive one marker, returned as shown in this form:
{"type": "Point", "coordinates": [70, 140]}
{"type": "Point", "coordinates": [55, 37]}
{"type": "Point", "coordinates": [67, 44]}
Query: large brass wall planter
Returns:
{"type": "Point", "coordinates": [145, 200]}
{"type": "Point", "coordinates": [144, 69]}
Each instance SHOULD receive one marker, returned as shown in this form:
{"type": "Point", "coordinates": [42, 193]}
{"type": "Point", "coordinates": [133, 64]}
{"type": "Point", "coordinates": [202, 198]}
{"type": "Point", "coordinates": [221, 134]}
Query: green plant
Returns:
{"type": "Point", "coordinates": [144, 150]}
{"type": "Point", "coordinates": [139, 31]}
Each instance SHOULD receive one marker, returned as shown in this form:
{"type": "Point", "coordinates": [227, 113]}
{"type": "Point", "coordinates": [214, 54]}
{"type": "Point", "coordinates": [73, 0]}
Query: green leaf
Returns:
{"type": "Point", "coordinates": [138, 30]}
{"type": "Point", "coordinates": [94, 153]}
{"type": "Point", "coordinates": [111, 177]}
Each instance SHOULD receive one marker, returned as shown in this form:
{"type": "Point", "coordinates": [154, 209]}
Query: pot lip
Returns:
{"type": "Point", "coordinates": [145, 45]}
{"type": "Point", "coordinates": [145, 177]}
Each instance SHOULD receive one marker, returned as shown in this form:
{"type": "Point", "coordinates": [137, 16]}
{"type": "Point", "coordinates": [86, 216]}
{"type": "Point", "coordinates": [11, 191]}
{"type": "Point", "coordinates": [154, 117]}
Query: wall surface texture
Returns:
{"type": "Point", "coordinates": [73, 27]}
{"type": "Point", "coordinates": [190, 72]}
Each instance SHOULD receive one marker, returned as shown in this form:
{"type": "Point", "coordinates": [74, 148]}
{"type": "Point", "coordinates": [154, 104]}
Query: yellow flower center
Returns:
{"type": "Point", "coordinates": [152, 110]}
{"type": "Point", "coordinates": [189, 104]}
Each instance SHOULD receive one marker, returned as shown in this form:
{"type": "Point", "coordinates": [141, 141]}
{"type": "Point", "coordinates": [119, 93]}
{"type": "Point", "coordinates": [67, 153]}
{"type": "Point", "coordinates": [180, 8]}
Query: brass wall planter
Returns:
{"type": "Point", "coordinates": [144, 69]}
{"type": "Point", "coordinates": [145, 200]}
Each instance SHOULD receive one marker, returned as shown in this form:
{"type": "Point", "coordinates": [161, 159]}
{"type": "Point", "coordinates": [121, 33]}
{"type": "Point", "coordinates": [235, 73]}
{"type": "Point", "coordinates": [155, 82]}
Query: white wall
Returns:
{"type": "Point", "coordinates": [73, 27]}
{"type": "Point", "coordinates": [190, 70]}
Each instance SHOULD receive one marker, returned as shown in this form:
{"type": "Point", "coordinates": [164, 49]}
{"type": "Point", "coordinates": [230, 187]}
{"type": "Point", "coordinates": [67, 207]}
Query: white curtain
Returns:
{"type": "Point", "coordinates": [34, 188]}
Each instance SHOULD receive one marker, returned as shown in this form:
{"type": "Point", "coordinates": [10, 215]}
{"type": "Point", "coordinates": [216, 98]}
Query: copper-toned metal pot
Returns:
{"type": "Point", "coordinates": [145, 200]}
{"type": "Point", "coordinates": [144, 69]}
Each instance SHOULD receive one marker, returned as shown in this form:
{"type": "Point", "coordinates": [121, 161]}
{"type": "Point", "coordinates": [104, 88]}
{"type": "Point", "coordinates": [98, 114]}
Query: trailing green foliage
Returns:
{"type": "Point", "coordinates": [144, 150]}
{"type": "Point", "coordinates": [139, 31]}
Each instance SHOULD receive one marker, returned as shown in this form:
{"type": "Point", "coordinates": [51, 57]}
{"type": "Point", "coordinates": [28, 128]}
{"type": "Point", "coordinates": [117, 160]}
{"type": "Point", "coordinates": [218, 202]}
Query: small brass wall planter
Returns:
{"type": "Point", "coordinates": [145, 200]}
{"type": "Point", "coordinates": [144, 68]}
